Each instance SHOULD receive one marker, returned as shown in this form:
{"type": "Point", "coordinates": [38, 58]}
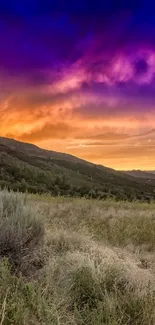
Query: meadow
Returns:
{"type": "Point", "coordinates": [66, 261]}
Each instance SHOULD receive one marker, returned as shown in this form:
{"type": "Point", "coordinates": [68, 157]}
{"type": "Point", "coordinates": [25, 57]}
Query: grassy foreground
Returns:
{"type": "Point", "coordinates": [76, 261]}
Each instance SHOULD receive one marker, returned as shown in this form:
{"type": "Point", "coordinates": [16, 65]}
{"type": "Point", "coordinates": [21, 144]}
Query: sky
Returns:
{"type": "Point", "coordinates": [79, 77]}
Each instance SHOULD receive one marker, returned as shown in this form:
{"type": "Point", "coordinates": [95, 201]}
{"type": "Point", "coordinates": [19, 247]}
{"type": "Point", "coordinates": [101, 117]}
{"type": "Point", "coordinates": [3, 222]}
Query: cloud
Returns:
{"type": "Point", "coordinates": [48, 131]}
{"type": "Point", "coordinates": [53, 51]}
{"type": "Point", "coordinates": [110, 136]}
{"type": "Point", "coordinates": [79, 77]}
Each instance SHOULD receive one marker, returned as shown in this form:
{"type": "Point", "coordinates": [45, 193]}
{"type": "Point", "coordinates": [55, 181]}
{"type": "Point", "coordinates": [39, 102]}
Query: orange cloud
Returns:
{"type": "Point", "coordinates": [91, 127]}
{"type": "Point", "coordinates": [48, 131]}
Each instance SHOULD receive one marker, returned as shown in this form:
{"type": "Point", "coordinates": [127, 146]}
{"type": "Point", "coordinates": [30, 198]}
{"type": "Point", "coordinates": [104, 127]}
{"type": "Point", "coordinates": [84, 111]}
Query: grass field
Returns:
{"type": "Point", "coordinates": [76, 261]}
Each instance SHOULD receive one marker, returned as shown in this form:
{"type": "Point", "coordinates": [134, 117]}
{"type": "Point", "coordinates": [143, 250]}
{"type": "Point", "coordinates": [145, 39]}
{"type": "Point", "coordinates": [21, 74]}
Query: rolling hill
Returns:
{"type": "Point", "coordinates": [148, 175]}
{"type": "Point", "coordinates": [26, 167]}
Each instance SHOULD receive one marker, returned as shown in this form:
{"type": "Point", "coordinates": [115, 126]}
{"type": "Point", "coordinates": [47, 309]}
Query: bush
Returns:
{"type": "Point", "coordinates": [21, 229]}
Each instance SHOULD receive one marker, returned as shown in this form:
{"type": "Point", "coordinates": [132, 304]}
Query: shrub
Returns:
{"type": "Point", "coordinates": [21, 229]}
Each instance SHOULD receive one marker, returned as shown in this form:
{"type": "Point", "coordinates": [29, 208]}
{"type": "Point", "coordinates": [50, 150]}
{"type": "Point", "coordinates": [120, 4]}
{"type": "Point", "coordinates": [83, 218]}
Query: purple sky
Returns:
{"type": "Point", "coordinates": [79, 77]}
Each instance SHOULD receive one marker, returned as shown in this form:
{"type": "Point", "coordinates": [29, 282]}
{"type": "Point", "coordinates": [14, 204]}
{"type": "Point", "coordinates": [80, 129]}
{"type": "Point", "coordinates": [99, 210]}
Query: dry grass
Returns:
{"type": "Point", "coordinates": [94, 265]}
{"type": "Point", "coordinates": [21, 228]}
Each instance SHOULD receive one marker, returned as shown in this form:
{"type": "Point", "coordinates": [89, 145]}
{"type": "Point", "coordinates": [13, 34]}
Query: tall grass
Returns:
{"type": "Point", "coordinates": [21, 228]}
{"type": "Point", "coordinates": [76, 262]}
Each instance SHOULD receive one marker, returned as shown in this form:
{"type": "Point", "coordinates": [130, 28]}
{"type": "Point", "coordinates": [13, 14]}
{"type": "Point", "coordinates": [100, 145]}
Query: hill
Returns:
{"type": "Point", "coordinates": [149, 175]}
{"type": "Point", "coordinates": [25, 166]}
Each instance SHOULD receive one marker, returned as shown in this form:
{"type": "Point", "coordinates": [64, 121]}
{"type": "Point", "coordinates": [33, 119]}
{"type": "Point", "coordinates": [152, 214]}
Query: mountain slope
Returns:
{"type": "Point", "coordinates": [27, 167]}
{"type": "Point", "coordinates": [149, 175]}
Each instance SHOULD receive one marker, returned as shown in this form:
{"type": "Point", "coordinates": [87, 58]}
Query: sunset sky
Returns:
{"type": "Point", "coordinates": [79, 77]}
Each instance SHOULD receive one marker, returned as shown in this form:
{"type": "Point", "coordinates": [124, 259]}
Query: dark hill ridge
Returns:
{"type": "Point", "coordinates": [141, 173]}
{"type": "Point", "coordinates": [25, 166]}
{"type": "Point", "coordinates": [33, 150]}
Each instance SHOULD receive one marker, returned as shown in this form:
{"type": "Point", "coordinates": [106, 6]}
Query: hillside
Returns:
{"type": "Point", "coordinates": [27, 167]}
{"type": "Point", "coordinates": [149, 175]}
